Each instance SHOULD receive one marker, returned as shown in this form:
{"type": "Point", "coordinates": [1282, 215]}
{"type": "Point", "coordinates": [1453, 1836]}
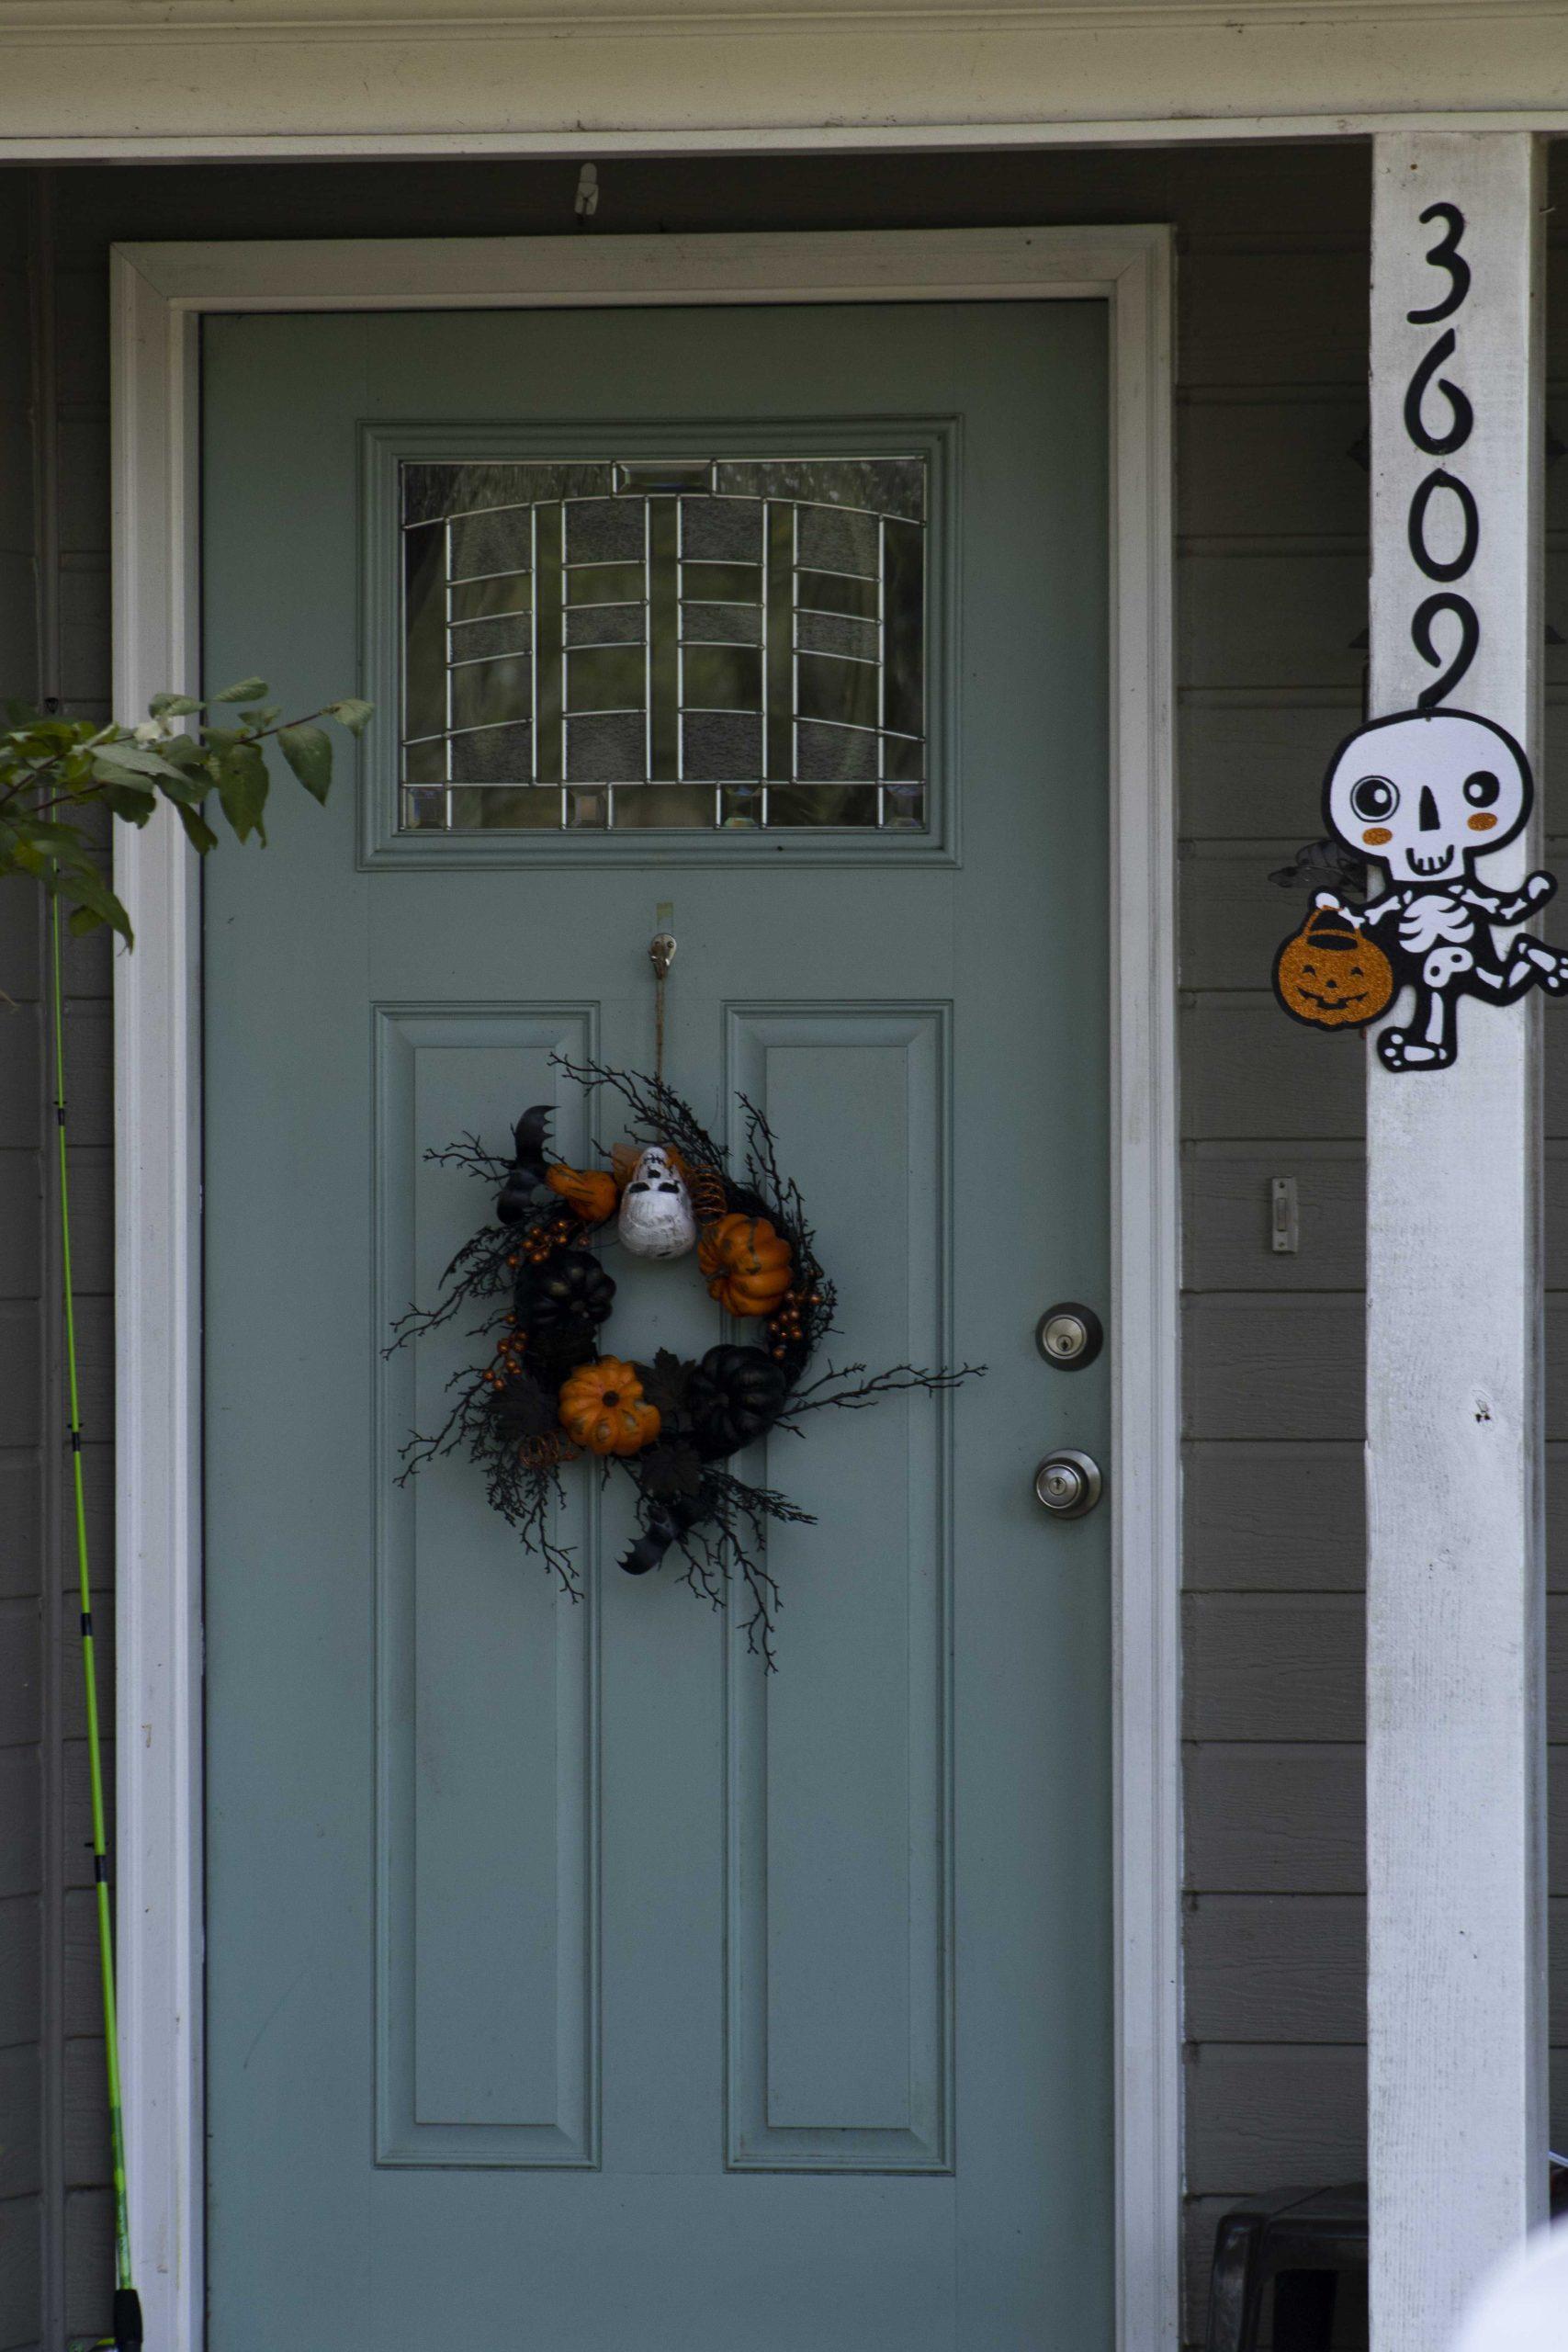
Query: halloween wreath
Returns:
{"type": "Point", "coordinates": [548, 1392]}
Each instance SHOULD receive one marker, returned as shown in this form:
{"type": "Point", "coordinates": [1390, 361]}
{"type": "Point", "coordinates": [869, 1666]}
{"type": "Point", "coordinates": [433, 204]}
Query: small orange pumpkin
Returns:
{"type": "Point", "coordinates": [591, 1194]}
{"type": "Point", "coordinates": [747, 1264]}
{"type": "Point", "coordinates": [1331, 975]}
{"type": "Point", "coordinates": [602, 1409]}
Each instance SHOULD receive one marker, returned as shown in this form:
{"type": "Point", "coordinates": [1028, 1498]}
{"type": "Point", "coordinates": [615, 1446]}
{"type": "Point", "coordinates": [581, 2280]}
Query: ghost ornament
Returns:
{"type": "Point", "coordinates": [656, 1218]}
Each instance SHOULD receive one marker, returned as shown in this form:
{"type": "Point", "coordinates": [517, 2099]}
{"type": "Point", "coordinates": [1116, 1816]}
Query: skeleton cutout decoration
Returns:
{"type": "Point", "coordinates": [1424, 795]}
{"type": "Point", "coordinates": [656, 1218]}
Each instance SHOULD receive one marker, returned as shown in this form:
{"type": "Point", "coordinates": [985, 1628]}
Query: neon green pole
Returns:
{"type": "Point", "coordinates": [126, 2304]}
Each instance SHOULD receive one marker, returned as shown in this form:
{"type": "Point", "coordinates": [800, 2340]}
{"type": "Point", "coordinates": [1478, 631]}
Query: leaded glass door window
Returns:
{"type": "Point", "coordinates": [728, 644]}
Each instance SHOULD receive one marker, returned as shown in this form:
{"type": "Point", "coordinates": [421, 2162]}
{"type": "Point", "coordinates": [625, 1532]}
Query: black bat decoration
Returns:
{"type": "Point", "coordinates": [526, 1173]}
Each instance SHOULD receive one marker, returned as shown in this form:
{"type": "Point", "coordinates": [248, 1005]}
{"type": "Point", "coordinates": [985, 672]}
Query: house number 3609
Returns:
{"type": "Point", "coordinates": [1441, 434]}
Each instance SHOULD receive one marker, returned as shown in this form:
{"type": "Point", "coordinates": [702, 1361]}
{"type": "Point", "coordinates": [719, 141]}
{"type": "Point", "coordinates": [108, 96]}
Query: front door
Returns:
{"type": "Point", "coordinates": [573, 1982]}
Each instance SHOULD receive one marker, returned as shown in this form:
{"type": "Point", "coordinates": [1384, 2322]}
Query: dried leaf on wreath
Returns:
{"type": "Point", "coordinates": [669, 1470]}
{"type": "Point", "coordinates": [664, 1382]}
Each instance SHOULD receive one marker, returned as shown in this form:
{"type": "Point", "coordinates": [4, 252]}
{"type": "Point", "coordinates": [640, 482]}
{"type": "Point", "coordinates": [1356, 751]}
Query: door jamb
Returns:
{"type": "Point", "coordinates": [159, 296]}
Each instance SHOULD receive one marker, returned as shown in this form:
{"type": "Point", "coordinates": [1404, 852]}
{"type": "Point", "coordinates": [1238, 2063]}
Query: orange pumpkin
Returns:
{"type": "Point", "coordinates": [747, 1264]}
{"type": "Point", "coordinates": [602, 1408]}
{"type": "Point", "coordinates": [591, 1194]}
{"type": "Point", "coordinates": [1331, 975]}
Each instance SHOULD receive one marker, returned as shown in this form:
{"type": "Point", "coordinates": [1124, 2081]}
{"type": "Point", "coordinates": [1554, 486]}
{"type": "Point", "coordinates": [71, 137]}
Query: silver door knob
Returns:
{"type": "Point", "coordinates": [1068, 1483]}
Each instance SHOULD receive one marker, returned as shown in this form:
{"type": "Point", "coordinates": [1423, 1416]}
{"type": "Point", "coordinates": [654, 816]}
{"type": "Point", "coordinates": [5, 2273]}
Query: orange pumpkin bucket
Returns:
{"type": "Point", "coordinates": [1331, 975]}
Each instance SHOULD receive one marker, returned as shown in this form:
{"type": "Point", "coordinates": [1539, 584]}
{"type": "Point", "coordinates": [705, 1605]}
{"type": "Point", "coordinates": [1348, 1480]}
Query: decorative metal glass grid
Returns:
{"type": "Point", "coordinates": [724, 643]}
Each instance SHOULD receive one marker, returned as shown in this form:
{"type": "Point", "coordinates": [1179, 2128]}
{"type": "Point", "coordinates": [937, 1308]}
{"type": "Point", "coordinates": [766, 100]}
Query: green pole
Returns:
{"type": "Point", "coordinates": [127, 2303]}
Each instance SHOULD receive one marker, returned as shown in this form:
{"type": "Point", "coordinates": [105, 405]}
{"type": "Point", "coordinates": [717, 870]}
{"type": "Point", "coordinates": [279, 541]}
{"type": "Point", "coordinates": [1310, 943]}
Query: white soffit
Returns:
{"type": "Point", "coordinates": [348, 77]}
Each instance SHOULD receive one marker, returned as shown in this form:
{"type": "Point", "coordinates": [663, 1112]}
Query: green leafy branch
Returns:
{"type": "Point", "coordinates": [53, 772]}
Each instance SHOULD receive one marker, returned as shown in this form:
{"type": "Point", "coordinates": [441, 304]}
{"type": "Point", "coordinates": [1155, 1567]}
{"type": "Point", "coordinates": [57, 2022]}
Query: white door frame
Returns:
{"type": "Point", "coordinates": [159, 296]}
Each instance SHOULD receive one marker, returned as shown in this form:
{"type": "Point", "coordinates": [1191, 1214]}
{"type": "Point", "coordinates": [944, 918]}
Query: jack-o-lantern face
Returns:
{"type": "Point", "coordinates": [1331, 975]}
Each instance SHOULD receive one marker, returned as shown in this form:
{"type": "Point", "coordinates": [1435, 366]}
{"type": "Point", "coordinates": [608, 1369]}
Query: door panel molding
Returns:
{"type": "Point", "coordinates": [503, 1826]}
{"type": "Point", "coordinates": [160, 294]}
{"type": "Point", "coordinates": [840, 2042]}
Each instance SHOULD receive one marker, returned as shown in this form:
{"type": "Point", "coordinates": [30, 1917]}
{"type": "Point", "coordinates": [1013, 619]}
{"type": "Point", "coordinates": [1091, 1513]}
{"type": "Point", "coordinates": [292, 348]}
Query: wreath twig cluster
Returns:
{"type": "Point", "coordinates": [548, 1393]}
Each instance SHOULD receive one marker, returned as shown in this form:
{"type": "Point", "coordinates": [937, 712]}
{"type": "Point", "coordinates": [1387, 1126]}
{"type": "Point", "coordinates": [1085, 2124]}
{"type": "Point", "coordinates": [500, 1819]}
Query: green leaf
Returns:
{"type": "Point", "coordinates": [186, 791]}
{"type": "Point", "coordinates": [96, 903]}
{"type": "Point", "coordinates": [199, 832]}
{"type": "Point", "coordinates": [130, 802]}
{"type": "Point", "coordinates": [247, 690]}
{"type": "Point", "coordinates": [172, 707]}
{"type": "Point", "coordinates": [138, 758]}
{"type": "Point", "coordinates": [352, 713]}
{"type": "Point", "coordinates": [242, 789]}
{"type": "Point", "coordinates": [113, 771]}
{"type": "Point", "coordinates": [265, 714]}
{"type": "Point", "coordinates": [310, 754]}
{"type": "Point", "coordinates": [184, 751]}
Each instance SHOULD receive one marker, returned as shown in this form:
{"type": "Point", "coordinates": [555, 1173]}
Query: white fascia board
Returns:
{"type": "Point", "coordinates": [363, 78]}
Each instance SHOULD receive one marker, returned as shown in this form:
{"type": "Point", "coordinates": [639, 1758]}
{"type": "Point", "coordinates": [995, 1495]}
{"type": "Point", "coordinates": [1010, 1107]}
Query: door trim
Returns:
{"type": "Point", "coordinates": [160, 294]}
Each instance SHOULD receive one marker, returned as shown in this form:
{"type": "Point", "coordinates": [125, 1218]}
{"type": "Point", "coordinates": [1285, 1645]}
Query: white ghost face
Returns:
{"type": "Point", "coordinates": [656, 1218]}
{"type": "Point", "coordinates": [1424, 794]}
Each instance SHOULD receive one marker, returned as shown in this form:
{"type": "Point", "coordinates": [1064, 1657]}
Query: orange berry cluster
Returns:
{"type": "Point", "coordinates": [541, 1241]}
{"type": "Point", "coordinates": [508, 1354]}
{"type": "Point", "coordinates": [787, 1327]}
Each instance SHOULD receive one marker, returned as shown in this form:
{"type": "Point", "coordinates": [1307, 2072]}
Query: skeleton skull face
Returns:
{"type": "Point", "coordinates": [1424, 793]}
{"type": "Point", "coordinates": [656, 1218]}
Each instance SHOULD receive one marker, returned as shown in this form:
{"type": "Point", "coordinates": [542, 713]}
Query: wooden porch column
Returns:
{"type": "Point", "coordinates": [1455, 1760]}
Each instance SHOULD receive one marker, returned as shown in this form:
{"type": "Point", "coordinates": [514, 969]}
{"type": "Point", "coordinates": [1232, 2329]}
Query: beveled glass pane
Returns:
{"type": "Point", "coordinates": [721, 624]}
{"type": "Point", "coordinates": [641, 807]}
{"type": "Point", "coordinates": [492, 755]}
{"type": "Point", "coordinates": [640, 631]}
{"type": "Point", "coordinates": [486, 543]}
{"type": "Point", "coordinates": [880, 485]}
{"type": "Point", "coordinates": [723, 583]}
{"type": "Point", "coordinates": [721, 530]}
{"type": "Point", "coordinates": [485, 692]}
{"type": "Point", "coordinates": [721, 677]}
{"type": "Point", "coordinates": [844, 691]}
{"type": "Point", "coordinates": [503, 808]}
{"type": "Point", "coordinates": [425, 811]}
{"type": "Point", "coordinates": [608, 748]}
{"type": "Point", "coordinates": [606, 677]}
{"type": "Point", "coordinates": [836, 592]}
{"type": "Point", "coordinates": [605, 530]}
{"type": "Point", "coordinates": [825, 752]}
{"type": "Point", "coordinates": [834, 633]}
{"type": "Point", "coordinates": [425, 763]}
{"type": "Point", "coordinates": [476, 640]}
{"type": "Point", "coordinates": [476, 600]}
{"type": "Point", "coordinates": [821, 804]}
{"type": "Point", "coordinates": [903, 759]}
{"type": "Point", "coordinates": [604, 584]}
{"type": "Point", "coordinates": [740, 808]}
{"type": "Point", "coordinates": [724, 744]}
{"type": "Point", "coordinates": [605, 624]}
{"type": "Point", "coordinates": [424, 632]}
{"type": "Point", "coordinates": [834, 540]}
{"type": "Point", "coordinates": [588, 812]}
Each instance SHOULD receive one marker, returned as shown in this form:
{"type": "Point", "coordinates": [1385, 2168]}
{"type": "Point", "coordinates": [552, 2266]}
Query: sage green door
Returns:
{"type": "Point", "coordinates": [572, 1983]}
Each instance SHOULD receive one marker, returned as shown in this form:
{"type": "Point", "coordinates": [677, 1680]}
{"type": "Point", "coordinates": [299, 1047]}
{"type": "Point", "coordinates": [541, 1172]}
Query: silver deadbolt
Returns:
{"type": "Point", "coordinates": [1069, 1336]}
{"type": "Point", "coordinates": [1068, 1483]}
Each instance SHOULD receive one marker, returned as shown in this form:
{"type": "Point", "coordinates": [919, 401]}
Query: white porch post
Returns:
{"type": "Point", "coordinates": [1455, 1763]}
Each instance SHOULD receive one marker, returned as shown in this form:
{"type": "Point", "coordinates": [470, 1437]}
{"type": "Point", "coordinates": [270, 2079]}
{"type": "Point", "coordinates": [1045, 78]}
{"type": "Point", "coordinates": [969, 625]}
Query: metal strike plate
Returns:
{"type": "Point", "coordinates": [1069, 1336]}
{"type": "Point", "coordinates": [1068, 1483]}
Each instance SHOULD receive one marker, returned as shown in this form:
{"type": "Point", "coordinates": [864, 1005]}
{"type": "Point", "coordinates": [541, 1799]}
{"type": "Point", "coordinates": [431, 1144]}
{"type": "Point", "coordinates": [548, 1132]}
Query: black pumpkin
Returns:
{"type": "Point", "coordinates": [732, 1396]}
{"type": "Point", "coordinates": [569, 1291]}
